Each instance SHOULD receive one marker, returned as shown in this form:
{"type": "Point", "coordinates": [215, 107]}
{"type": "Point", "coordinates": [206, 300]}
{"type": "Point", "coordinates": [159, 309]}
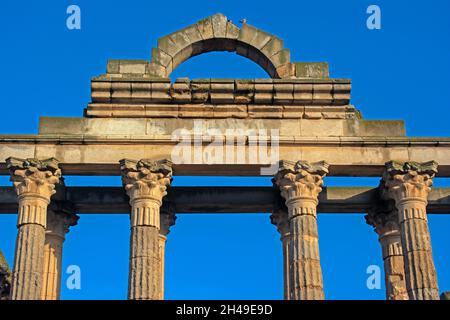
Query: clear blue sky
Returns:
{"type": "Point", "coordinates": [398, 72]}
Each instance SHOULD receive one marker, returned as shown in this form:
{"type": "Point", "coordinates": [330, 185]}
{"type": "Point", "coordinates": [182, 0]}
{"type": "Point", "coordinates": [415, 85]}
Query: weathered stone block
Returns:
{"type": "Point", "coordinates": [200, 90]}
{"type": "Point", "coordinates": [230, 111]}
{"type": "Point", "coordinates": [141, 91]}
{"type": "Point", "coordinates": [284, 93]}
{"type": "Point", "coordinates": [232, 31]}
{"type": "Point", "coordinates": [322, 93]}
{"type": "Point", "coordinates": [161, 91]}
{"type": "Point", "coordinates": [222, 92]}
{"type": "Point", "coordinates": [265, 111]}
{"type": "Point", "coordinates": [133, 66]}
{"type": "Point", "coordinates": [219, 25]}
{"type": "Point", "coordinates": [281, 57]}
{"type": "Point", "coordinates": [311, 70]}
{"type": "Point", "coordinates": [181, 91]}
{"type": "Point", "coordinates": [253, 36]}
{"type": "Point", "coordinates": [244, 91]}
{"type": "Point", "coordinates": [293, 112]}
{"type": "Point", "coordinates": [263, 92]}
{"type": "Point", "coordinates": [101, 91]}
{"type": "Point", "coordinates": [205, 28]}
{"type": "Point", "coordinates": [120, 91]}
{"type": "Point", "coordinates": [196, 111]}
{"type": "Point", "coordinates": [303, 93]}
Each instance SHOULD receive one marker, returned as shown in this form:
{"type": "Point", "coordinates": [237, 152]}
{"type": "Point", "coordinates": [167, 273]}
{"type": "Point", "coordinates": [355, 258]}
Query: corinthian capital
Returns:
{"type": "Point", "coordinates": [34, 177]}
{"type": "Point", "coordinates": [384, 218]}
{"type": "Point", "coordinates": [403, 180]}
{"type": "Point", "coordinates": [146, 179]}
{"type": "Point", "coordinates": [300, 179]}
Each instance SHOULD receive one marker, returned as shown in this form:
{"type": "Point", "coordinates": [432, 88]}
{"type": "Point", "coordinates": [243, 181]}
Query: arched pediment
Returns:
{"type": "Point", "coordinates": [217, 33]}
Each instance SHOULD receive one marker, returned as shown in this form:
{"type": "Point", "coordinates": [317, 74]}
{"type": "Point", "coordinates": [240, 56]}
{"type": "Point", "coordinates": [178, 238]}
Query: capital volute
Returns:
{"type": "Point", "coordinates": [34, 177]}
{"type": "Point", "coordinates": [408, 180]}
{"type": "Point", "coordinates": [300, 179]}
{"type": "Point", "coordinates": [146, 178]}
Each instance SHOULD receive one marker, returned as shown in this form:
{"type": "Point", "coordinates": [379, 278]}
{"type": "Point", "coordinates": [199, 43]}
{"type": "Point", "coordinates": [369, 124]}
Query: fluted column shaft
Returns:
{"type": "Point", "coordinates": [394, 267]}
{"type": "Point", "coordinates": [419, 265]}
{"type": "Point", "coordinates": [29, 254]}
{"type": "Point", "coordinates": [300, 184]}
{"type": "Point", "coordinates": [409, 184]}
{"type": "Point", "coordinates": [51, 284]}
{"type": "Point", "coordinates": [144, 280]}
{"type": "Point", "coordinates": [307, 283]}
{"type": "Point", "coordinates": [34, 182]}
{"type": "Point", "coordinates": [162, 249]}
{"type": "Point", "coordinates": [58, 224]}
{"type": "Point", "coordinates": [286, 243]}
{"type": "Point", "coordinates": [280, 219]}
{"type": "Point", "coordinates": [384, 218]}
{"type": "Point", "coordinates": [146, 183]}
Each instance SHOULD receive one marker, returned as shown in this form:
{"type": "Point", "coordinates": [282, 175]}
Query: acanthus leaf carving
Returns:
{"type": "Point", "coordinates": [300, 179]}
{"type": "Point", "coordinates": [33, 176]}
{"type": "Point", "coordinates": [403, 180]}
{"type": "Point", "coordinates": [145, 178]}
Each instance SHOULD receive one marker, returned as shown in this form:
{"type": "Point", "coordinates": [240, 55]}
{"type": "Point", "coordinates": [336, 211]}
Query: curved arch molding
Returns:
{"type": "Point", "coordinates": [217, 33]}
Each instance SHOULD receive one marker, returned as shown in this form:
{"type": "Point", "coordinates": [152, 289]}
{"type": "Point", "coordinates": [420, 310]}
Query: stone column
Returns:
{"type": "Point", "coordinates": [60, 217]}
{"type": "Point", "coordinates": [384, 219]}
{"type": "Point", "coordinates": [34, 182]}
{"type": "Point", "coordinates": [146, 183]}
{"type": "Point", "coordinates": [167, 219]}
{"type": "Point", "coordinates": [408, 184]}
{"type": "Point", "coordinates": [300, 184]}
{"type": "Point", "coordinates": [280, 219]}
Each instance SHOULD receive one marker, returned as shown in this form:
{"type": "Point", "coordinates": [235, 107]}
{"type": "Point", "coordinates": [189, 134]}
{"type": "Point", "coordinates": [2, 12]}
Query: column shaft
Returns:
{"type": "Point", "coordinates": [393, 266]}
{"type": "Point", "coordinates": [162, 249]}
{"type": "Point", "coordinates": [51, 284]}
{"type": "Point", "coordinates": [144, 273]}
{"type": "Point", "coordinates": [286, 243]}
{"type": "Point", "coordinates": [307, 283]}
{"type": "Point", "coordinates": [409, 184]}
{"type": "Point", "coordinates": [420, 271]}
{"type": "Point", "coordinates": [29, 254]}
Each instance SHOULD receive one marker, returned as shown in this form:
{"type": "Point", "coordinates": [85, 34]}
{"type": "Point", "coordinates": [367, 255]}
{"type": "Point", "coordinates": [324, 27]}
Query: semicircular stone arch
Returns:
{"type": "Point", "coordinates": [217, 33]}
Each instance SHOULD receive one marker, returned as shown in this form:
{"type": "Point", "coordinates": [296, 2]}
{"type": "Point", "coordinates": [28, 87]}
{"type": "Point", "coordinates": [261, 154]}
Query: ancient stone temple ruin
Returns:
{"type": "Point", "coordinates": [148, 128]}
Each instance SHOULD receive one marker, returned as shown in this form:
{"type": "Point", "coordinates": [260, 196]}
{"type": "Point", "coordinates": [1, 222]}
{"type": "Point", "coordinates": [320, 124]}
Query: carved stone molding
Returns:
{"type": "Point", "coordinates": [300, 179]}
{"type": "Point", "coordinates": [145, 178]}
{"type": "Point", "coordinates": [406, 180]}
{"type": "Point", "coordinates": [32, 176]}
